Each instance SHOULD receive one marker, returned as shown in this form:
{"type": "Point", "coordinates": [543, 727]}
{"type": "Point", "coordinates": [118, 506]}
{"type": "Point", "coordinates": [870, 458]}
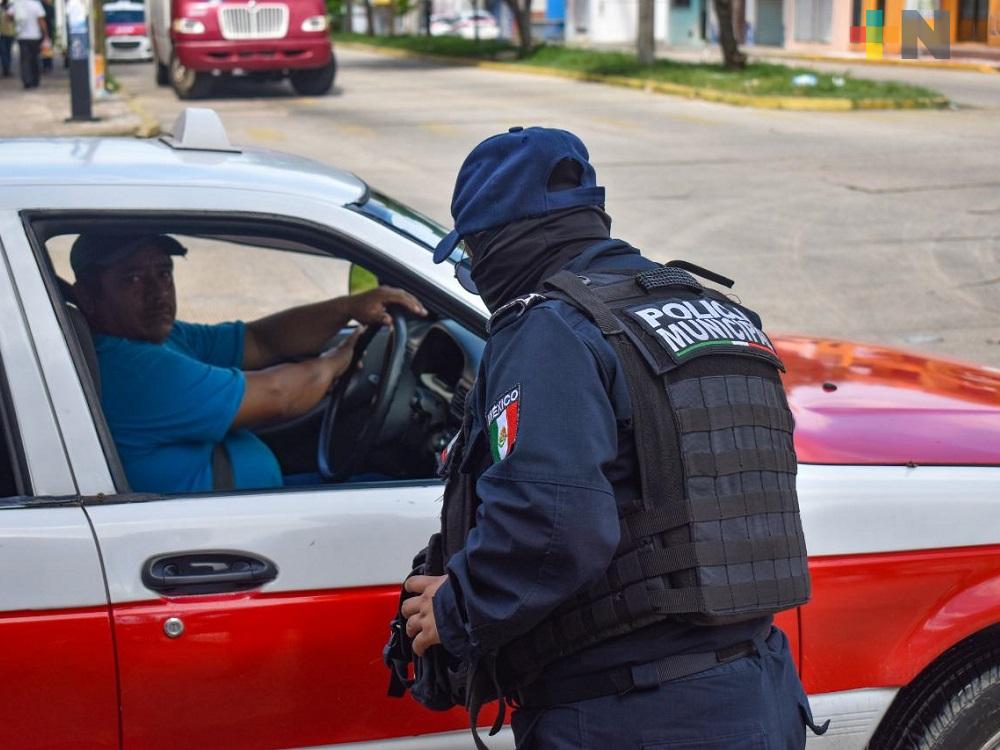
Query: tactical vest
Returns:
{"type": "Point", "coordinates": [715, 536]}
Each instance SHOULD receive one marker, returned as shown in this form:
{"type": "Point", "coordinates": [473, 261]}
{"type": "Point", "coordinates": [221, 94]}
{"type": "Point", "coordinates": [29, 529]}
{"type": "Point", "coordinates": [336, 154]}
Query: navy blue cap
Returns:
{"type": "Point", "coordinates": [505, 179]}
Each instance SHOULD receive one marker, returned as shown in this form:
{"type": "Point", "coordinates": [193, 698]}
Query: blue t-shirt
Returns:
{"type": "Point", "coordinates": [168, 404]}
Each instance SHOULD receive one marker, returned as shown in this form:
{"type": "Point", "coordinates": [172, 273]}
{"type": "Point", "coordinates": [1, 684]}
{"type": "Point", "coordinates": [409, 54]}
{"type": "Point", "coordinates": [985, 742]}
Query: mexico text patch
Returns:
{"type": "Point", "coordinates": [502, 420]}
{"type": "Point", "coordinates": [692, 328]}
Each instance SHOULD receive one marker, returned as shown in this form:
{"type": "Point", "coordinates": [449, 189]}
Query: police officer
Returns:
{"type": "Point", "coordinates": [617, 592]}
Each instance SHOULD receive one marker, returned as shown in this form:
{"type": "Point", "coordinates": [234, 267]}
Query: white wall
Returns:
{"type": "Point", "coordinates": [612, 21]}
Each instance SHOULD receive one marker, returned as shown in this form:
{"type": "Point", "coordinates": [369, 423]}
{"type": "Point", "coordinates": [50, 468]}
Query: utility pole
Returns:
{"type": "Point", "coordinates": [475, 22]}
{"type": "Point", "coordinates": [645, 39]}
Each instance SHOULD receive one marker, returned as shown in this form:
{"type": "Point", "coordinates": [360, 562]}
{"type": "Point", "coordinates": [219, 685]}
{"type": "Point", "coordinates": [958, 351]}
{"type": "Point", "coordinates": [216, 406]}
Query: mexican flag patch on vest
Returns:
{"type": "Point", "coordinates": [502, 421]}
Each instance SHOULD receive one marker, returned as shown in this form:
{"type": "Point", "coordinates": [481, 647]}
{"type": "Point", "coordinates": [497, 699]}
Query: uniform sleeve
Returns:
{"type": "Point", "coordinates": [161, 397]}
{"type": "Point", "coordinates": [547, 524]}
{"type": "Point", "coordinates": [220, 344]}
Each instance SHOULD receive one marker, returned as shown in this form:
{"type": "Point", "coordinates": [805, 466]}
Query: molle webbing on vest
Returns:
{"type": "Point", "coordinates": [718, 537]}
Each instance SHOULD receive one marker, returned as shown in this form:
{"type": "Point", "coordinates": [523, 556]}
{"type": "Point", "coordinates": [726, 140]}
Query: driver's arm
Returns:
{"type": "Point", "coordinates": [304, 330]}
{"type": "Point", "coordinates": [286, 391]}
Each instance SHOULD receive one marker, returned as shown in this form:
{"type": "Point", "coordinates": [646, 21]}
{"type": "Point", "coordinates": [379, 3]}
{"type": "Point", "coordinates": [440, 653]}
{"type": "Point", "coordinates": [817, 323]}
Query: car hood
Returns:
{"type": "Point", "coordinates": [865, 404]}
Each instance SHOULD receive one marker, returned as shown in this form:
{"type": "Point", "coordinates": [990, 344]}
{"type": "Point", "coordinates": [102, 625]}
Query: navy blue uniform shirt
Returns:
{"type": "Point", "coordinates": [547, 526]}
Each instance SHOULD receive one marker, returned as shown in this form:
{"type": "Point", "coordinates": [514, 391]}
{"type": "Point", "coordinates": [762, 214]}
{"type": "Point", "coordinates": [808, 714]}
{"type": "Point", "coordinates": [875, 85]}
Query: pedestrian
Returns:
{"type": "Point", "coordinates": [29, 17]}
{"type": "Point", "coordinates": [8, 33]}
{"type": "Point", "coordinates": [46, 53]}
{"type": "Point", "coordinates": [620, 520]}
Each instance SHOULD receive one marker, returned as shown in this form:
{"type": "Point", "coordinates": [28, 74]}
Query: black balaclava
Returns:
{"type": "Point", "coordinates": [514, 259]}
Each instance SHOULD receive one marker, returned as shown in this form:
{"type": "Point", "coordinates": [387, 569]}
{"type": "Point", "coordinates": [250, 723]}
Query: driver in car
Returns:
{"type": "Point", "coordinates": [176, 394]}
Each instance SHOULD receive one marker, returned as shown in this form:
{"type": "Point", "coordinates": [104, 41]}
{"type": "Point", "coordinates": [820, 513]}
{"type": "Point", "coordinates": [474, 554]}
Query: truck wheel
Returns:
{"type": "Point", "coordinates": [162, 74]}
{"type": "Point", "coordinates": [187, 83]}
{"type": "Point", "coordinates": [963, 714]}
{"type": "Point", "coordinates": [314, 81]}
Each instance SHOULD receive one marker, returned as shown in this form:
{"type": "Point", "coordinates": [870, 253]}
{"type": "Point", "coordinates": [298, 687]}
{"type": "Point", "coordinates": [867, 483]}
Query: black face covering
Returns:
{"type": "Point", "coordinates": [514, 259]}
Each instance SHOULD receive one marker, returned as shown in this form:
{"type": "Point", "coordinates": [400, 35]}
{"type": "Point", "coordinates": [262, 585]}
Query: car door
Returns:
{"type": "Point", "coordinates": [58, 685]}
{"type": "Point", "coordinates": [256, 619]}
{"type": "Point", "coordinates": [292, 661]}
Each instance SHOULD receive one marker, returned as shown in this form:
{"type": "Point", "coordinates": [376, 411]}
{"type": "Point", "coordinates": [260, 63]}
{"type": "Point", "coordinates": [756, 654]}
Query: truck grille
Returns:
{"type": "Point", "coordinates": [253, 21]}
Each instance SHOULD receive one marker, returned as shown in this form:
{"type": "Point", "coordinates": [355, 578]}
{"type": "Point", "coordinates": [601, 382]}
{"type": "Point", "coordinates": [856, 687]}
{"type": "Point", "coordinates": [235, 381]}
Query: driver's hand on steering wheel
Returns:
{"type": "Point", "coordinates": [370, 308]}
{"type": "Point", "coordinates": [339, 356]}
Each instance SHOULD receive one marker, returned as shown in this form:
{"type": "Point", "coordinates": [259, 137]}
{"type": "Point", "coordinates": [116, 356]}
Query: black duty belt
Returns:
{"type": "Point", "coordinates": [622, 680]}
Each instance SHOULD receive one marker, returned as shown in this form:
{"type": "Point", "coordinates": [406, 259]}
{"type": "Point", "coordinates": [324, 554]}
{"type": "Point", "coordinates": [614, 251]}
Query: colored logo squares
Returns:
{"type": "Point", "coordinates": [870, 34]}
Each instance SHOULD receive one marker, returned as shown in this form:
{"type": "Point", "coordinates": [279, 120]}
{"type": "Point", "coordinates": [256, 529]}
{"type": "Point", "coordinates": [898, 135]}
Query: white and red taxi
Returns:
{"type": "Point", "coordinates": [255, 619]}
{"type": "Point", "coordinates": [126, 36]}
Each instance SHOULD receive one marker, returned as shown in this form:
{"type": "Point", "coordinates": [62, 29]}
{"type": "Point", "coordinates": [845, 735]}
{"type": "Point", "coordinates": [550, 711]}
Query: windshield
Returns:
{"type": "Point", "coordinates": [402, 218]}
{"type": "Point", "coordinates": [123, 16]}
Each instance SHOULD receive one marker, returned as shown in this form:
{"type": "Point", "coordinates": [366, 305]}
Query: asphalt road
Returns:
{"type": "Point", "coordinates": [873, 226]}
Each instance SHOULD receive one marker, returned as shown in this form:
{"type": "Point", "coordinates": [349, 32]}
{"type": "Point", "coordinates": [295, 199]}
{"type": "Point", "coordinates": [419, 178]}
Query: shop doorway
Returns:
{"type": "Point", "coordinates": [769, 29]}
{"type": "Point", "coordinates": [686, 22]}
{"type": "Point", "coordinates": [973, 20]}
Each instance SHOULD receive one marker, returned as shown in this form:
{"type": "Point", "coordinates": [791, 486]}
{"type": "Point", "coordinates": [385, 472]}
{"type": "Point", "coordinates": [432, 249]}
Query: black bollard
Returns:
{"type": "Point", "coordinates": [78, 27]}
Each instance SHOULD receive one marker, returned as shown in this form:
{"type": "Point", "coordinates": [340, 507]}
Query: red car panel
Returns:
{"type": "Point", "coordinates": [272, 671]}
{"type": "Point", "coordinates": [878, 620]}
{"type": "Point", "coordinates": [58, 664]}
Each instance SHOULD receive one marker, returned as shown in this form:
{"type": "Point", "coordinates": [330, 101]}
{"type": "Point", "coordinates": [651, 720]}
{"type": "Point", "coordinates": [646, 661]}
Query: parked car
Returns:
{"type": "Point", "coordinates": [442, 25]}
{"type": "Point", "coordinates": [476, 24]}
{"type": "Point", "coordinates": [125, 30]}
{"type": "Point", "coordinates": [255, 619]}
{"type": "Point", "coordinates": [195, 42]}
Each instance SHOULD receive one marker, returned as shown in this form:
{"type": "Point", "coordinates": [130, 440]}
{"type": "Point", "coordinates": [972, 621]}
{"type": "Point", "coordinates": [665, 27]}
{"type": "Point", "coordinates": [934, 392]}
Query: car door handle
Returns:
{"type": "Point", "coordinates": [206, 572]}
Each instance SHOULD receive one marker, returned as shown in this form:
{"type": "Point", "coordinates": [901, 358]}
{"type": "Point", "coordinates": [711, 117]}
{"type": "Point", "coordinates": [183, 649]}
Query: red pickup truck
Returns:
{"type": "Point", "coordinates": [196, 41]}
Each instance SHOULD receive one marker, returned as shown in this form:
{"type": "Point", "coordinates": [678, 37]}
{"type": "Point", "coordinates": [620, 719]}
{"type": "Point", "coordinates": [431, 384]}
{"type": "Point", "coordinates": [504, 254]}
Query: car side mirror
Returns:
{"type": "Point", "coordinates": [361, 280]}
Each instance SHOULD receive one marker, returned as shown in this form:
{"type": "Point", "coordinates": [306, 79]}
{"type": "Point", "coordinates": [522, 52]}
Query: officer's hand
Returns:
{"type": "Point", "coordinates": [371, 307]}
{"type": "Point", "coordinates": [419, 611]}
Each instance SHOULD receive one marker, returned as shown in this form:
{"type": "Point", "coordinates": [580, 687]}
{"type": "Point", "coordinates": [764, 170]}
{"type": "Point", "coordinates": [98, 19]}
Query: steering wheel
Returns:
{"type": "Point", "coordinates": [350, 389]}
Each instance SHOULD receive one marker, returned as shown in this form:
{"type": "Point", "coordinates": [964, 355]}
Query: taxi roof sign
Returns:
{"type": "Point", "coordinates": [199, 129]}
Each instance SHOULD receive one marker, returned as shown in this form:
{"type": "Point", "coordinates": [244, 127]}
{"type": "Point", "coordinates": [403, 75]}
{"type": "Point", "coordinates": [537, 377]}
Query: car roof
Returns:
{"type": "Point", "coordinates": [124, 5]}
{"type": "Point", "coordinates": [106, 162]}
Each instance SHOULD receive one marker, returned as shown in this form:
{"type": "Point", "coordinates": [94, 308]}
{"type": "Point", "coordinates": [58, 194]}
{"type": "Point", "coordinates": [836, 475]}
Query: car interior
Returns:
{"type": "Point", "coordinates": [388, 420]}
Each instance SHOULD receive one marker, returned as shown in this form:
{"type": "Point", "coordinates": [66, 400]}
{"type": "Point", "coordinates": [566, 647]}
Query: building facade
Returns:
{"type": "Point", "coordinates": [809, 26]}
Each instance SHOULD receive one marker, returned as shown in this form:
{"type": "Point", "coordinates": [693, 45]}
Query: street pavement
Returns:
{"type": "Point", "coordinates": [879, 226]}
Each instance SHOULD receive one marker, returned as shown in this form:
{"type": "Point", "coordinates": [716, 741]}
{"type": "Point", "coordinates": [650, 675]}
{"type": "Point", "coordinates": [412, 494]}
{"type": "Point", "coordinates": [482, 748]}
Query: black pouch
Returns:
{"type": "Point", "coordinates": [434, 682]}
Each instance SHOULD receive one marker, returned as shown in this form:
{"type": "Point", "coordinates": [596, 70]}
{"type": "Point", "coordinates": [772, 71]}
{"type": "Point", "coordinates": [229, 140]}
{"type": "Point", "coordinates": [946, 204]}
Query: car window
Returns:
{"type": "Point", "coordinates": [406, 221]}
{"type": "Point", "coordinates": [219, 281]}
{"type": "Point", "coordinates": [123, 16]}
{"type": "Point", "coordinates": [153, 398]}
{"type": "Point", "coordinates": [402, 218]}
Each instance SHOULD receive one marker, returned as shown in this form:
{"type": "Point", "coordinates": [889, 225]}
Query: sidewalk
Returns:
{"type": "Point", "coordinates": [978, 58]}
{"type": "Point", "coordinates": [43, 111]}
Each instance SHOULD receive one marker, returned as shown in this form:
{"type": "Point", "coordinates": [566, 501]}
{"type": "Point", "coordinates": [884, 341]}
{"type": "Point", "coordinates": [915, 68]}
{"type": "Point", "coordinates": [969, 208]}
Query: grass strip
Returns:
{"type": "Point", "coordinates": [756, 80]}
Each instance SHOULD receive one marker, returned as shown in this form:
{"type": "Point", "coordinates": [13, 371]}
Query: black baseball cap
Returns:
{"type": "Point", "coordinates": [93, 252]}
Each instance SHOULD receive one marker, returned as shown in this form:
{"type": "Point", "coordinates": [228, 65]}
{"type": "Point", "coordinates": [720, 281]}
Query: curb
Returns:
{"type": "Point", "coordinates": [148, 126]}
{"type": "Point", "coordinates": [934, 64]}
{"type": "Point", "coordinates": [809, 104]}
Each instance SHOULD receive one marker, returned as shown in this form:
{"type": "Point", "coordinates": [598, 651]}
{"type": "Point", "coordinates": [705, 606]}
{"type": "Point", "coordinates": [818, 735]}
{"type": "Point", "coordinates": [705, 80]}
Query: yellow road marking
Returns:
{"type": "Point", "coordinates": [440, 128]}
{"type": "Point", "coordinates": [265, 134]}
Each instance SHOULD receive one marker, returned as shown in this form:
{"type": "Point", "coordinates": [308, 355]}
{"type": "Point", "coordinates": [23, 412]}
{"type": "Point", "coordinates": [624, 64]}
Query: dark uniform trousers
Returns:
{"type": "Point", "coordinates": [753, 703]}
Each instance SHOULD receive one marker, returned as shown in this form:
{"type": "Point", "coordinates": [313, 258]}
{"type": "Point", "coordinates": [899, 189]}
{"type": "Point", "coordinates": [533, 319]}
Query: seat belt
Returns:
{"type": "Point", "coordinates": [222, 469]}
